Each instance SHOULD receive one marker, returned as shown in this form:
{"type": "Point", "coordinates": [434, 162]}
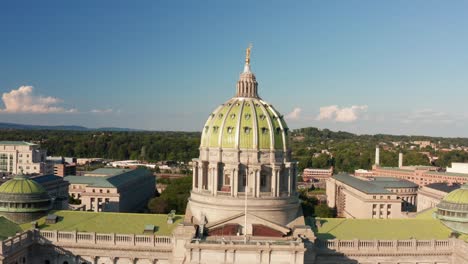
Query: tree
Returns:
{"type": "Point", "coordinates": [158, 205]}
{"type": "Point", "coordinates": [322, 210]}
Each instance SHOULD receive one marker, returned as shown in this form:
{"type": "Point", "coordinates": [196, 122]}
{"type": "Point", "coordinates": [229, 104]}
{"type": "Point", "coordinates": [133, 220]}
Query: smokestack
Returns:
{"type": "Point", "coordinates": [400, 160]}
{"type": "Point", "coordinates": [377, 155]}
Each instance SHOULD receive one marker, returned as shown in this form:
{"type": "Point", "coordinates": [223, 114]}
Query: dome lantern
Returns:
{"type": "Point", "coordinates": [247, 85]}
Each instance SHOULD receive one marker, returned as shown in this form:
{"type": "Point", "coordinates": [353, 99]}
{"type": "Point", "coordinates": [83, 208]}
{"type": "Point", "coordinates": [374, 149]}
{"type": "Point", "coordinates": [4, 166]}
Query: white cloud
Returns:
{"type": "Point", "coordinates": [102, 111]}
{"type": "Point", "coordinates": [22, 100]}
{"type": "Point", "coordinates": [345, 114]}
{"type": "Point", "coordinates": [295, 114]}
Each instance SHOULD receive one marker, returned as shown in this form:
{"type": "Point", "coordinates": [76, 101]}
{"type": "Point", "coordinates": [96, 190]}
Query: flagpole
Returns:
{"type": "Point", "coordinates": [245, 202]}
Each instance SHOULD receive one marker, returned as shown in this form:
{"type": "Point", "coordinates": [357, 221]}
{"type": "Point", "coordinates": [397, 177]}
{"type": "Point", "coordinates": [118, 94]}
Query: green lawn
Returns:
{"type": "Point", "coordinates": [121, 223]}
{"type": "Point", "coordinates": [380, 229]}
{"type": "Point", "coordinates": [7, 228]}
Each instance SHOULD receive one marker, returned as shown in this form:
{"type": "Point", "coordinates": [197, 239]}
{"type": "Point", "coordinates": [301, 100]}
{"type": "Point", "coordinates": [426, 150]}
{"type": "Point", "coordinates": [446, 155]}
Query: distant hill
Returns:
{"type": "Point", "coordinates": [68, 128]}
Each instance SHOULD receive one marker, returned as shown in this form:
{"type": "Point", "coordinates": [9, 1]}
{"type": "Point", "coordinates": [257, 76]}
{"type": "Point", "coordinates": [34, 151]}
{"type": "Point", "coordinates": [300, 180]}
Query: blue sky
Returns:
{"type": "Point", "coordinates": [396, 67]}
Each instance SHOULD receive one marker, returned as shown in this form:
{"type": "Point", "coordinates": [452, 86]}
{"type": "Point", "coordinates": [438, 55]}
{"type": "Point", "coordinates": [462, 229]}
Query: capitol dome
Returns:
{"type": "Point", "coordinates": [245, 170]}
{"type": "Point", "coordinates": [23, 200]}
{"type": "Point", "coordinates": [453, 210]}
{"type": "Point", "coordinates": [245, 121]}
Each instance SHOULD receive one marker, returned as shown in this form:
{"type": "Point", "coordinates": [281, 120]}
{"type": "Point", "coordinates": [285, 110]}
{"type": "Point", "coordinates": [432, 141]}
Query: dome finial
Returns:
{"type": "Point", "coordinates": [247, 58]}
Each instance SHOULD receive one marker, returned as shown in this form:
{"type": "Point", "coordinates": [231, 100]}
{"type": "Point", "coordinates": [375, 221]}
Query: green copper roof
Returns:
{"type": "Point", "coordinates": [459, 196]}
{"type": "Point", "coordinates": [103, 222]}
{"type": "Point", "coordinates": [21, 185]}
{"type": "Point", "coordinates": [245, 123]}
{"type": "Point", "coordinates": [111, 181]}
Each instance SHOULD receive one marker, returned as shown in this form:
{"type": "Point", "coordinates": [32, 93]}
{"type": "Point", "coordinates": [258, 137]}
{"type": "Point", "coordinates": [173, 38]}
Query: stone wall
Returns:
{"type": "Point", "coordinates": [79, 247]}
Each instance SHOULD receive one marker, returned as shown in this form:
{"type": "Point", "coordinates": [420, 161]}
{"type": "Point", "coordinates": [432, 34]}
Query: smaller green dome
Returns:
{"type": "Point", "coordinates": [21, 185]}
{"type": "Point", "coordinates": [459, 196]}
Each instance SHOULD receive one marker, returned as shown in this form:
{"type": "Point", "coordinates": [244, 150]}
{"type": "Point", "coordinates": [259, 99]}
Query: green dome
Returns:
{"type": "Point", "coordinates": [21, 185]}
{"type": "Point", "coordinates": [459, 196]}
{"type": "Point", "coordinates": [245, 123]}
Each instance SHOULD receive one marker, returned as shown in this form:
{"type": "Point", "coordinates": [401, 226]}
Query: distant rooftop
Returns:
{"type": "Point", "coordinates": [449, 174]}
{"type": "Point", "coordinates": [106, 172]}
{"type": "Point", "coordinates": [17, 143]}
{"type": "Point", "coordinates": [116, 178]}
{"type": "Point", "coordinates": [361, 185]}
{"type": "Point", "coordinates": [45, 178]}
{"type": "Point", "coordinates": [444, 187]}
{"type": "Point", "coordinates": [120, 223]}
{"type": "Point", "coordinates": [389, 182]}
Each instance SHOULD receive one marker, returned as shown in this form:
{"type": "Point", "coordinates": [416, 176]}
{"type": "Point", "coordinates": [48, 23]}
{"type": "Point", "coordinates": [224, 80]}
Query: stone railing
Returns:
{"type": "Point", "coordinates": [17, 242]}
{"type": "Point", "coordinates": [102, 239]}
{"type": "Point", "coordinates": [411, 245]}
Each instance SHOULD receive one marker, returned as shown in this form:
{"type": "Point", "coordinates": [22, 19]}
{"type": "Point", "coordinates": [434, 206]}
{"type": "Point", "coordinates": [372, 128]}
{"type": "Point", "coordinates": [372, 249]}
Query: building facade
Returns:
{"type": "Point", "coordinates": [318, 176]}
{"type": "Point", "coordinates": [431, 195]}
{"type": "Point", "coordinates": [17, 156]}
{"type": "Point", "coordinates": [57, 188]}
{"type": "Point", "coordinates": [113, 190]}
{"type": "Point", "coordinates": [458, 167]}
{"type": "Point", "coordinates": [374, 199]}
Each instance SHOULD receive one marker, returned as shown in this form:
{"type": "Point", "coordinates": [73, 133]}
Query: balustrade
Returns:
{"type": "Point", "coordinates": [385, 245]}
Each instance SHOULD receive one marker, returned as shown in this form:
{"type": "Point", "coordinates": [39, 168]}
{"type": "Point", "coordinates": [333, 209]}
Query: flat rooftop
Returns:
{"type": "Point", "coordinates": [340, 228]}
{"type": "Point", "coordinates": [7, 228]}
{"type": "Point", "coordinates": [119, 223]}
{"type": "Point", "coordinates": [109, 177]}
{"type": "Point", "coordinates": [17, 143]}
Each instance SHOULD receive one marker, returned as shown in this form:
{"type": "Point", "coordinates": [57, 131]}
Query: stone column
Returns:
{"type": "Point", "coordinates": [257, 184]}
{"type": "Point", "coordinates": [200, 177]}
{"type": "Point", "coordinates": [290, 183]}
{"type": "Point", "coordinates": [235, 178]}
{"type": "Point", "coordinates": [215, 180]}
{"type": "Point", "coordinates": [273, 183]}
{"type": "Point", "coordinates": [278, 182]}
{"type": "Point", "coordinates": [195, 175]}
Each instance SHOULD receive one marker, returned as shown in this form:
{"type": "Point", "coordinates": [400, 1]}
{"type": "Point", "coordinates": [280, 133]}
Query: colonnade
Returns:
{"type": "Point", "coordinates": [209, 178]}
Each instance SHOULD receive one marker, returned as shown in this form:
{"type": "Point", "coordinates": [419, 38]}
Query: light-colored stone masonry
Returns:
{"type": "Point", "coordinates": [54, 247]}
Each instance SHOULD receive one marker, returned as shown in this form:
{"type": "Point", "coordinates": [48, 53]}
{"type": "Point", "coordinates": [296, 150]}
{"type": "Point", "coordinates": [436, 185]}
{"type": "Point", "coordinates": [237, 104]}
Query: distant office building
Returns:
{"type": "Point", "coordinates": [17, 156]}
{"type": "Point", "coordinates": [317, 175]}
{"type": "Point", "coordinates": [379, 198]}
{"type": "Point", "coordinates": [63, 170]}
{"type": "Point", "coordinates": [63, 166]}
{"type": "Point", "coordinates": [432, 194]}
{"type": "Point", "coordinates": [113, 190]}
{"type": "Point", "coordinates": [458, 167]}
{"type": "Point", "coordinates": [421, 175]}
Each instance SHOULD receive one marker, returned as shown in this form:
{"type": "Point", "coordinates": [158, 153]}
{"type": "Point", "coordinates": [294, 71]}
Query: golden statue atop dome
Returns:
{"type": "Point", "coordinates": [247, 53]}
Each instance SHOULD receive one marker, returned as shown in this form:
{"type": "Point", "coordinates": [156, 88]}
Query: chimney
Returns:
{"type": "Point", "coordinates": [400, 160]}
{"type": "Point", "coordinates": [377, 155]}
